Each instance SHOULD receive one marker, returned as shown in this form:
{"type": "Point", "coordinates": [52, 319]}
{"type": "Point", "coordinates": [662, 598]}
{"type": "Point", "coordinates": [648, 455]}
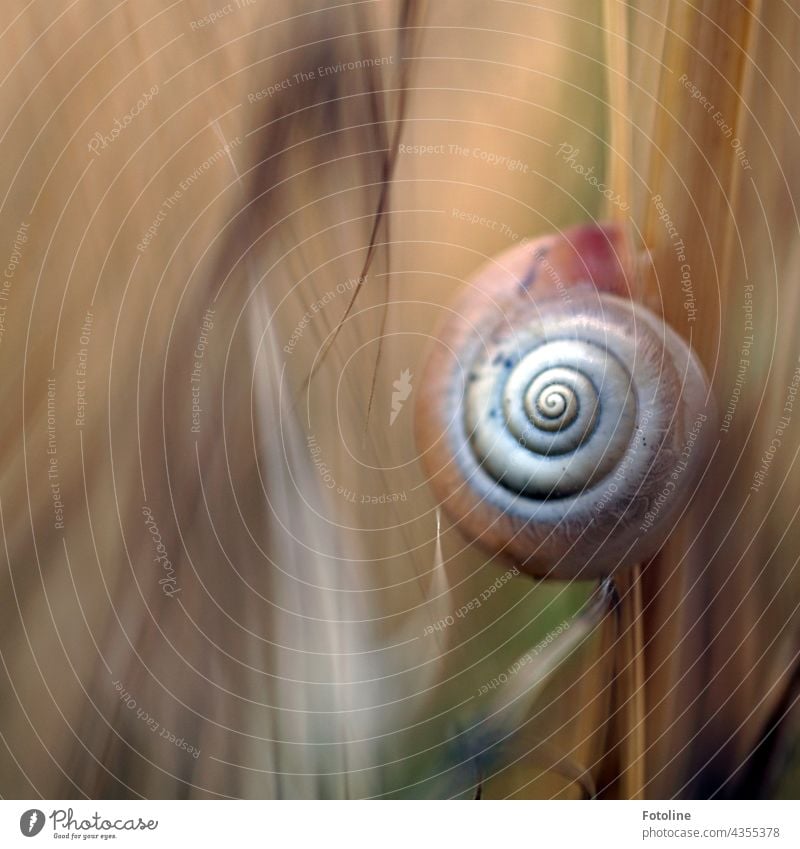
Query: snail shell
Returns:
{"type": "Point", "coordinates": [559, 422]}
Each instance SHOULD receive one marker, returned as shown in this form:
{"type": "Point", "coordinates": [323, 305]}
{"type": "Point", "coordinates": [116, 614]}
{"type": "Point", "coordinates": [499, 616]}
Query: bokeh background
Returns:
{"type": "Point", "coordinates": [228, 231]}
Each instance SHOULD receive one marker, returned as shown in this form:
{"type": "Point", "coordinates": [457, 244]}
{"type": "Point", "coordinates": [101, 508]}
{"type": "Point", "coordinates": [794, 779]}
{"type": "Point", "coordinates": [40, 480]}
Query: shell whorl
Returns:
{"type": "Point", "coordinates": [562, 425]}
{"type": "Point", "coordinates": [550, 408]}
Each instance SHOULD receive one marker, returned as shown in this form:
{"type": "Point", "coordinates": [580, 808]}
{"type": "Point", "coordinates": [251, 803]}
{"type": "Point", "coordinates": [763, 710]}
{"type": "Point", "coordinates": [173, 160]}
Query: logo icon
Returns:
{"type": "Point", "coordinates": [31, 822]}
{"type": "Point", "coordinates": [402, 389]}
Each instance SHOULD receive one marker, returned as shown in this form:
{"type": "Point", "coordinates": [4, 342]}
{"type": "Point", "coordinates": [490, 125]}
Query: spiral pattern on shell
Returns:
{"type": "Point", "coordinates": [564, 428]}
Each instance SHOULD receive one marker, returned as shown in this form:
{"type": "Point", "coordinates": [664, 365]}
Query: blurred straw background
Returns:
{"type": "Point", "coordinates": [303, 193]}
